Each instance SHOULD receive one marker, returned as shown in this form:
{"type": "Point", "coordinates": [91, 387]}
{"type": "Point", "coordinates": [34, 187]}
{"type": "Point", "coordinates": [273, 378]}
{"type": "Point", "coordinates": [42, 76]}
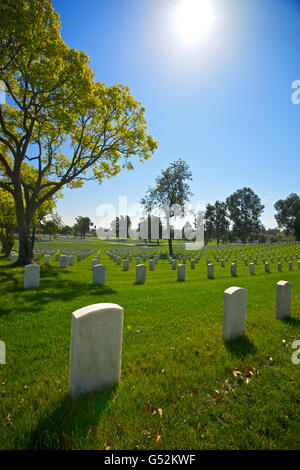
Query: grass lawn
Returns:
{"type": "Point", "coordinates": [181, 386]}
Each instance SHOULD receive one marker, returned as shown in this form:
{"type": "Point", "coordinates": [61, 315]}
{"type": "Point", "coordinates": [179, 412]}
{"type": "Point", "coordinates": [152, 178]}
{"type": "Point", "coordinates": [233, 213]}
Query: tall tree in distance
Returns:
{"type": "Point", "coordinates": [245, 208]}
{"type": "Point", "coordinates": [52, 225]}
{"type": "Point", "coordinates": [216, 221]}
{"type": "Point", "coordinates": [288, 214]}
{"type": "Point", "coordinates": [53, 99]}
{"type": "Point", "coordinates": [170, 193]}
{"type": "Point", "coordinates": [82, 225]}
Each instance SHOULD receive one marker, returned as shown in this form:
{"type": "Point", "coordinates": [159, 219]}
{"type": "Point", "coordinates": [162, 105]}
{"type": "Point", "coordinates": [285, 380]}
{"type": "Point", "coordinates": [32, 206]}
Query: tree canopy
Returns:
{"type": "Point", "coordinates": [244, 208]}
{"type": "Point", "coordinates": [53, 103]}
{"type": "Point", "coordinates": [170, 193]}
{"type": "Point", "coordinates": [288, 214]}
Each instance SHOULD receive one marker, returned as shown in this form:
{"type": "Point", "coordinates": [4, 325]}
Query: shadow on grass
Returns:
{"type": "Point", "coordinates": [291, 321]}
{"type": "Point", "coordinates": [57, 427]}
{"type": "Point", "coordinates": [58, 288]}
{"type": "Point", "coordinates": [9, 277]}
{"type": "Point", "coordinates": [240, 347]}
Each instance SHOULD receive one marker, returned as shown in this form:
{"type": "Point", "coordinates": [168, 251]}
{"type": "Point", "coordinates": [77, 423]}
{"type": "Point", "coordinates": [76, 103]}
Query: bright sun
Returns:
{"type": "Point", "coordinates": [194, 19]}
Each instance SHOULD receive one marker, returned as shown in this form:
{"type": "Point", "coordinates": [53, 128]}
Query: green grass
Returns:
{"type": "Point", "coordinates": [179, 388]}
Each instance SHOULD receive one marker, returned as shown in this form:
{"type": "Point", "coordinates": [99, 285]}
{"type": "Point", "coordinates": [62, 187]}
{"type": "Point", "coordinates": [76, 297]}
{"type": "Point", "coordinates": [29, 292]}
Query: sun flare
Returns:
{"type": "Point", "coordinates": [194, 20]}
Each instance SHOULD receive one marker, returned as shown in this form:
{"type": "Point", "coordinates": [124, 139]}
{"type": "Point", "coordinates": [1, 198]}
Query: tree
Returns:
{"type": "Point", "coordinates": [52, 225]}
{"type": "Point", "coordinates": [170, 193]}
{"type": "Point", "coordinates": [245, 208]}
{"type": "Point", "coordinates": [66, 230]}
{"type": "Point", "coordinates": [82, 225]}
{"type": "Point", "coordinates": [8, 222]}
{"type": "Point", "coordinates": [288, 214]}
{"type": "Point", "coordinates": [216, 221]}
{"type": "Point", "coordinates": [53, 99]}
{"type": "Point", "coordinates": [8, 219]}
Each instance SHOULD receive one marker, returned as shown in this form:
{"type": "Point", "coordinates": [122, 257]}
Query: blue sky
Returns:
{"type": "Point", "coordinates": [224, 104]}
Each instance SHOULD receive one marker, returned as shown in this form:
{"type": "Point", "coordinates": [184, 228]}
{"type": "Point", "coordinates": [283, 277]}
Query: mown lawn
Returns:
{"type": "Point", "coordinates": [181, 386]}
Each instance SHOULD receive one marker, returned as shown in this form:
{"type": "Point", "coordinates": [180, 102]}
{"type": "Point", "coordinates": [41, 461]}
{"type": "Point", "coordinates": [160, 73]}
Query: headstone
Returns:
{"type": "Point", "coordinates": [210, 271]}
{"type": "Point", "coordinates": [151, 265]}
{"type": "Point", "coordinates": [181, 272]}
{"type": "Point", "coordinates": [234, 313]}
{"type": "Point", "coordinates": [99, 273]}
{"type": "Point", "coordinates": [222, 263]}
{"type": "Point", "coordinates": [63, 261]}
{"type": "Point", "coordinates": [233, 269]}
{"type": "Point", "coordinates": [71, 260]}
{"type": "Point", "coordinates": [283, 299]}
{"type": "Point", "coordinates": [31, 276]}
{"type": "Point", "coordinates": [96, 348]}
{"type": "Point", "coordinates": [251, 268]}
{"type": "Point", "coordinates": [125, 264]}
{"type": "Point", "coordinates": [13, 257]}
{"type": "Point", "coordinates": [290, 265]}
{"type": "Point", "coordinates": [192, 264]}
{"type": "Point", "coordinates": [140, 274]}
{"type": "Point", "coordinates": [279, 266]}
{"type": "Point", "coordinates": [174, 264]}
{"type": "Point", "coordinates": [95, 261]}
{"type": "Point", "coordinates": [47, 259]}
{"type": "Point", "coordinates": [267, 267]}
{"type": "Point", "coordinates": [78, 258]}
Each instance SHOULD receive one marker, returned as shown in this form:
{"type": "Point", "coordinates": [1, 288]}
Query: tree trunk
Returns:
{"type": "Point", "coordinates": [25, 246]}
{"type": "Point", "coordinates": [25, 242]}
{"type": "Point", "coordinates": [7, 242]}
{"type": "Point", "coordinates": [170, 246]}
{"type": "Point", "coordinates": [33, 237]}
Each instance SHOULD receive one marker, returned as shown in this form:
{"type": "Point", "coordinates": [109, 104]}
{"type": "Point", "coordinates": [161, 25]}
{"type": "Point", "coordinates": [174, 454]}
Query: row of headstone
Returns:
{"type": "Point", "coordinates": [97, 330]}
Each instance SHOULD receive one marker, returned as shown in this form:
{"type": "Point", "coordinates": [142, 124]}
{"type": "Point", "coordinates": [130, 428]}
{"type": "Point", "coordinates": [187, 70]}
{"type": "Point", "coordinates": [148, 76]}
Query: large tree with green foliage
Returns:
{"type": "Point", "coordinates": [170, 193]}
{"type": "Point", "coordinates": [288, 214]}
{"type": "Point", "coordinates": [82, 225]}
{"type": "Point", "coordinates": [216, 221]}
{"type": "Point", "coordinates": [54, 103]}
{"type": "Point", "coordinates": [245, 208]}
{"type": "Point", "coordinates": [52, 225]}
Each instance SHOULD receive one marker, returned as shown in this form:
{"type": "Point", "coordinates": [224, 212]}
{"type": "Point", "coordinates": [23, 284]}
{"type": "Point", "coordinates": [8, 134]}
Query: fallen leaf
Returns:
{"type": "Point", "coordinates": [160, 412]}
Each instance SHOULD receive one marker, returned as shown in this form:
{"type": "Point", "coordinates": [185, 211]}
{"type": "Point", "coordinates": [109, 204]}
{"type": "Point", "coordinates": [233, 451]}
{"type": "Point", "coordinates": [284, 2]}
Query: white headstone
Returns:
{"type": "Point", "coordinates": [233, 269]}
{"type": "Point", "coordinates": [47, 259]}
{"type": "Point", "coordinates": [210, 271]}
{"type": "Point", "coordinates": [234, 313]}
{"type": "Point", "coordinates": [13, 257]}
{"type": "Point", "coordinates": [267, 267]}
{"type": "Point", "coordinates": [99, 273]}
{"type": "Point", "coordinates": [181, 272]}
{"type": "Point", "coordinates": [283, 299]}
{"type": "Point", "coordinates": [96, 348]}
{"type": "Point", "coordinates": [94, 262]}
{"type": "Point", "coordinates": [251, 268]}
{"type": "Point", "coordinates": [63, 261]}
{"type": "Point", "coordinates": [279, 266]}
{"type": "Point", "coordinates": [151, 264]}
{"type": "Point", "coordinates": [31, 276]}
{"type": "Point", "coordinates": [140, 274]}
{"type": "Point", "coordinates": [125, 264]}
